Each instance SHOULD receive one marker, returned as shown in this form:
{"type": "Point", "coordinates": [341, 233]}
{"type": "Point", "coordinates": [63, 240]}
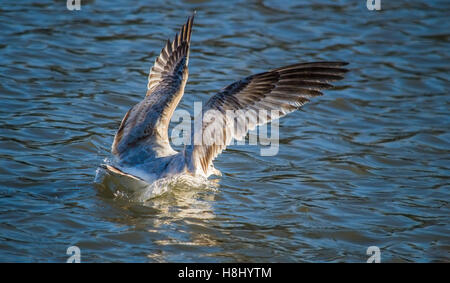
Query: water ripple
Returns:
{"type": "Point", "coordinates": [366, 164]}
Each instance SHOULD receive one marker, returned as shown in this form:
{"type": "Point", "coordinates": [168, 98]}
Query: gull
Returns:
{"type": "Point", "coordinates": [141, 147]}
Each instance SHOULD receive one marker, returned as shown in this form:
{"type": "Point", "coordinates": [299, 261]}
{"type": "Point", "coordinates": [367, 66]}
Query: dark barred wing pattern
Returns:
{"type": "Point", "coordinates": [281, 90]}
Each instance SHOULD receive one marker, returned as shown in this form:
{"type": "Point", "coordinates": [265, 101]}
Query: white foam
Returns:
{"type": "Point", "coordinates": [124, 187]}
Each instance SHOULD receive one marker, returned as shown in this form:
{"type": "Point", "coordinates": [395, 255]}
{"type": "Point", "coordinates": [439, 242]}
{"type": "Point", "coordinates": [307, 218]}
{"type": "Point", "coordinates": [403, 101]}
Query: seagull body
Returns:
{"type": "Point", "coordinates": [141, 146]}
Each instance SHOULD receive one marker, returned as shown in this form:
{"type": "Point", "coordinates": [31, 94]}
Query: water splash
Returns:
{"type": "Point", "coordinates": [123, 187]}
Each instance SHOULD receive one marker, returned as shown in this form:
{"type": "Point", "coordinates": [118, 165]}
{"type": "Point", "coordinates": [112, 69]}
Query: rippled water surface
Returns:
{"type": "Point", "coordinates": [367, 164]}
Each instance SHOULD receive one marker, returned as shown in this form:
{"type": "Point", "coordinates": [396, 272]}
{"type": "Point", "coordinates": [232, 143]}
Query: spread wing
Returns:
{"type": "Point", "coordinates": [143, 131]}
{"type": "Point", "coordinates": [236, 109]}
{"type": "Point", "coordinates": [172, 60]}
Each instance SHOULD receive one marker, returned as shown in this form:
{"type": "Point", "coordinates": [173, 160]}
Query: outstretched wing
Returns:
{"type": "Point", "coordinates": [236, 109]}
{"type": "Point", "coordinates": [143, 130]}
{"type": "Point", "coordinates": [172, 60]}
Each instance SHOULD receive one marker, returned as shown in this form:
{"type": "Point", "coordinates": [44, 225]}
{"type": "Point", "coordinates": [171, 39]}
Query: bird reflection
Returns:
{"type": "Point", "coordinates": [177, 202]}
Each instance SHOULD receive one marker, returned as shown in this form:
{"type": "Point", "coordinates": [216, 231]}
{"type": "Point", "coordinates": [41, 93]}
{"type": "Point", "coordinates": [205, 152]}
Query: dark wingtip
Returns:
{"type": "Point", "coordinates": [189, 24]}
{"type": "Point", "coordinates": [336, 63]}
{"type": "Point", "coordinates": [345, 70]}
{"type": "Point", "coordinates": [340, 64]}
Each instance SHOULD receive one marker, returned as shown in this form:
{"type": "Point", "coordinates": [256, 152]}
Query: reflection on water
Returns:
{"type": "Point", "coordinates": [366, 164]}
{"type": "Point", "coordinates": [183, 201]}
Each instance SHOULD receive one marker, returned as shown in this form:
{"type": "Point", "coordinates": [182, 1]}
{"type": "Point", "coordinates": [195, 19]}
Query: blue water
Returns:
{"type": "Point", "coordinates": [367, 164]}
